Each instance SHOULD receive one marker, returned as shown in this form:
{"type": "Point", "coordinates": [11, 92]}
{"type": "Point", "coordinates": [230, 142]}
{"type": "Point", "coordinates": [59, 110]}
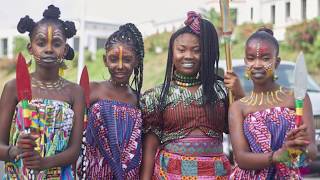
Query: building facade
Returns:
{"type": "Point", "coordinates": [280, 13]}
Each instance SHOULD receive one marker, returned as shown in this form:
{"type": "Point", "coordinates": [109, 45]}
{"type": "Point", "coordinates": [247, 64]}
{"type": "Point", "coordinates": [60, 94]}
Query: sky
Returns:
{"type": "Point", "coordinates": [112, 11]}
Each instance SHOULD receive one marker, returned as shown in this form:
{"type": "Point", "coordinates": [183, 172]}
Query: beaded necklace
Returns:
{"type": "Point", "coordinates": [118, 84]}
{"type": "Point", "coordinates": [58, 84]}
{"type": "Point", "coordinates": [186, 81]}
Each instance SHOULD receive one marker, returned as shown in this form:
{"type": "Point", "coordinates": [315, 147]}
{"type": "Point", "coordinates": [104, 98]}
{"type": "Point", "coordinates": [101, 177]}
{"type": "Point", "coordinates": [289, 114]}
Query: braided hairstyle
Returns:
{"type": "Point", "coordinates": [130, 35]}
{"type": "Point", "coordinates": [50, 15]}
{"type": "Point", "coordinates": [209, 49]}
{"type": "Point", "coordinates": [264, 34]}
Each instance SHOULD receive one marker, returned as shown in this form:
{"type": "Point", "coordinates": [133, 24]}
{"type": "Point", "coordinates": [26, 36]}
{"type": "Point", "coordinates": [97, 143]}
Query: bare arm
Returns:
{"type": "Point", "coordinates": [8, 103]}
{"type": "Point", "coordinates": [243, 155]}
{"type": "Point", "coordinates": [149, 150]}
{"type": "Point", "coordinates": [70, 155]}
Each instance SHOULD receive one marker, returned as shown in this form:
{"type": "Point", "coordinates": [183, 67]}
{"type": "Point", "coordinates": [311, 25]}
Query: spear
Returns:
{"type": "Point", "coordinates": [226, 32]}
{"type": "Point", "coordinates": [84, 83]}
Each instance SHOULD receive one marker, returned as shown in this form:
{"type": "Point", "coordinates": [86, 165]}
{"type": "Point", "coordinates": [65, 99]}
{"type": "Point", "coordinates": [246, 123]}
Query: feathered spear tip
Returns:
{"type": "Point", "coordinates": [23, 85]}
{"type": "Point", "coordinates": [84, 83]}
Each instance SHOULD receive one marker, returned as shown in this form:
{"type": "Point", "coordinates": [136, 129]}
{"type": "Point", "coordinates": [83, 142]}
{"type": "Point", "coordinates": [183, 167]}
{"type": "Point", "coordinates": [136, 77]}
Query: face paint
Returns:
{"type": "Point", "coordinates": [268, 68]}
{"type": "Point", "coordinates": [258, 50]}
{"type": "Point", "coordinates": [120, 57]}
{"type": "Point", "coordinates": [50, 37]}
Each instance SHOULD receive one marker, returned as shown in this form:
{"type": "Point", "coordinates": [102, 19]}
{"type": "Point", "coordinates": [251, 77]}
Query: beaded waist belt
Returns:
{"type": "Point", "coordinates": [200, 146]}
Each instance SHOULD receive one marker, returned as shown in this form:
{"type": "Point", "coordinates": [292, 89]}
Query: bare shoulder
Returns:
{"type": "Point", "coordinates": [11, 85]}
{"type": "Point", "coordinates": [95, 86]}
{"type": "Point", "coordinates": [10, 89]}
{"type": "Point", "coordinates": [75, 89]}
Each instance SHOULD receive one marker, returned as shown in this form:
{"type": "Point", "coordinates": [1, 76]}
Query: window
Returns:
{"type": "Point", "coordinates": [100, 43]}
{"type": "Point", "coordinates": [318, 7]}
{"type": "Point", "coordinates": [288, 10]}
{"type": "Point", "coordinates": [76, 42]}
{"type": "Point", "coordinates": [251, 13]}
{"type": "Point", "coordinates": [304, 9]}
{"type": "Point", "coordinates": [273, 14]}
{"type": "Point", "coordinates": [234, 15]}
{"type": "Point", "coordinates": [4, 47]}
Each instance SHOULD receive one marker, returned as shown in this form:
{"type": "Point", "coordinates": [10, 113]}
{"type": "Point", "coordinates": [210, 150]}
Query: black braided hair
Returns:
{"type": "Point", "coordinates": [265, 34]}
{"type": "Point", "coordinates": [130, 35]}
{"type": "Point", "coordinates": [209, 49]}
{"type": "Point", "coordinates": [50, 15]}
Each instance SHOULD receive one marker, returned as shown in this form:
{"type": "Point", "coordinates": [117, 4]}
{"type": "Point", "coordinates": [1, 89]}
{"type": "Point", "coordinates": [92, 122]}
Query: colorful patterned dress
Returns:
{"type": "Point", "coordinates": [52, 120]}
{"type": "Point", "coordinates": [112, 146]}
{"type": "Point", "coordinates": [181, 155]}
{"type": "Point", "coordinates": [265, 131]}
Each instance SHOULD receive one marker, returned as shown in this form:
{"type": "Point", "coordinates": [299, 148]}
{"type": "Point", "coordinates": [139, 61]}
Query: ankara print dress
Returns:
{"type": "Point", "coordinates": [265, 131]}
{"type": "Point", "coordinates": [112, 145]}
{"type": "Point", "coordinates": [52, 120]}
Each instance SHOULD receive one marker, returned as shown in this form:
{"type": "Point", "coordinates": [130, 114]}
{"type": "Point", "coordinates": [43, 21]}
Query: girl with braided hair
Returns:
{"type": "Point", "coordinates": [55, 110]}
{"type": "Point", "coordinates": [112, 147]}
{"type": "Point", "coordinates": [184, 119]}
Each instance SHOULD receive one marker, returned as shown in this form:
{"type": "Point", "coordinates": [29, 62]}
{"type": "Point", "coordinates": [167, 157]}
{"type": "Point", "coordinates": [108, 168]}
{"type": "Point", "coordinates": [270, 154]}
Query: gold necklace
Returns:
{"type": "Point", "coordinates": [58, 85]}
{"type": "Point", "coordinates": [264, 98]}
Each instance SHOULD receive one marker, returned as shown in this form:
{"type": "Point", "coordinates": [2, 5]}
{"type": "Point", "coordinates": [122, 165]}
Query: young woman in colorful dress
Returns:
{"type": "Point", "coordinates": [112, 146]}
{"type": "Point", "coordinates": [55, 112]}
{"type": "Point", "coordinates": [262, 124]}
{"type": "Point", "coordinates": [184, 119]}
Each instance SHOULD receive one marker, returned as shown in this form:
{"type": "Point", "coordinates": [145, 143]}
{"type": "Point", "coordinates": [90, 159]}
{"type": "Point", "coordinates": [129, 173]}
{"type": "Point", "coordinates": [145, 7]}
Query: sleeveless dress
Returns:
{"type": "Point", "coordinates": [112, 144]}
{"type": "Point", "coordinates": [52, 120]}
{"type": "Point", "coordinates": [265, 132]}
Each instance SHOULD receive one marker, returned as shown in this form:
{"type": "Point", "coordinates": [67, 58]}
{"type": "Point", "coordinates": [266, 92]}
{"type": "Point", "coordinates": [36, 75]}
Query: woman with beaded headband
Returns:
{"type": "Point", "coordinates": [184, 119]}
{"type": "Point", "coordinates": [55, 110]}
{"type": "Point", "coordinates": [112, 144]}
{"type": "Point", "coordinates": [262, 125]}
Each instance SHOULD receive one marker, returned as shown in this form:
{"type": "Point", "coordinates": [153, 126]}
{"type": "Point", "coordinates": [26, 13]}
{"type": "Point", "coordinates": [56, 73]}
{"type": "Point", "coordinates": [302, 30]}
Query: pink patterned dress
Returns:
{"type": "Point", "coordinates": [265, 131]}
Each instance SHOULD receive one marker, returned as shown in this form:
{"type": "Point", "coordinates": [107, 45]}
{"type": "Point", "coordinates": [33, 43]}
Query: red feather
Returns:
{"type": "Point", "coordinates": [84, 83]}
{"type": "Point", "coordinates": [23, 79]}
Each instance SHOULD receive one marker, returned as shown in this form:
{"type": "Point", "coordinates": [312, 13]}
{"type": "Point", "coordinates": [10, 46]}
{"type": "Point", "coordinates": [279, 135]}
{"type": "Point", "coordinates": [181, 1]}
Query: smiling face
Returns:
{"type": "Point", "coordinates": [48, 44]}
{"type": "Point", "coordinates": [261, 60]}
{"type": "Point", "coordinates": [120, 61]}
{"type": "Point", "coordinates": [186, 54]}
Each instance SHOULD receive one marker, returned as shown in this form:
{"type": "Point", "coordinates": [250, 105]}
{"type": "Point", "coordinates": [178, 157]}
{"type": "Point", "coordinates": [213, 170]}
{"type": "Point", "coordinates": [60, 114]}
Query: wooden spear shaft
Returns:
{"type": "Point", "coordinates": [227, 31]}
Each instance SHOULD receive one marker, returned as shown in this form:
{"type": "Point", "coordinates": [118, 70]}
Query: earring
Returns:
{"type": "Point", "coordinates": [62, 67]}
{"type": "Point", "coordinates": [275, 77]}
{"type": "Point", "coordinates": [247, 74]}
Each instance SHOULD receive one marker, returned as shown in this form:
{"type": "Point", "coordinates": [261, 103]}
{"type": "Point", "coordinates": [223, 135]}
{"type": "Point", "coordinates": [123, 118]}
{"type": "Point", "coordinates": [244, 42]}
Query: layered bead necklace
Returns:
{"type": "Point", "coordinates": [186, 81]}
{"type": "Point", "coordinates": [57, 85]}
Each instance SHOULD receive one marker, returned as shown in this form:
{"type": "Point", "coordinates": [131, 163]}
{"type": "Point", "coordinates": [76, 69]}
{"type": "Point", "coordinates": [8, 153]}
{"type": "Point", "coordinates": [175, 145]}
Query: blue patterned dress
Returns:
{"type": "Point", "coordinates": [112, 145]}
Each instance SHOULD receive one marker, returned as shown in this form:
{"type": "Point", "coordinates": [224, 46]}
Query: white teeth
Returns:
{"type": "Point", "coordinates": [187, 65]}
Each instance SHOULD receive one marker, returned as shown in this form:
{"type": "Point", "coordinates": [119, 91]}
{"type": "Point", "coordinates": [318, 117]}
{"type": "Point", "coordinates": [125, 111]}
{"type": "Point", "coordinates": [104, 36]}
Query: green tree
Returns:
{"type": "Point", "coordinates": [20, 44]}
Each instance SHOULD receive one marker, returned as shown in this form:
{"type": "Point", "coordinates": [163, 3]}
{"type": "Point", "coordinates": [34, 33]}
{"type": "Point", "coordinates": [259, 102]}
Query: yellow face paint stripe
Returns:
{"type": "Point", "coordinates": [120, 57]}
{"type": "Point", "coordinates": [50, 37]}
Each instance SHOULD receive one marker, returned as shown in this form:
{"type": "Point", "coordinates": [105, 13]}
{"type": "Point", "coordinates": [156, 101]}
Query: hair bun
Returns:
{"type": "Point", "coordinates": [52, 12]}
{"type": "Point", "coordinates": [265, 29]}
{"type": "Point", "coordinates": [70, 29]}
{"type": "Point", "coordinates": [25, 24]}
